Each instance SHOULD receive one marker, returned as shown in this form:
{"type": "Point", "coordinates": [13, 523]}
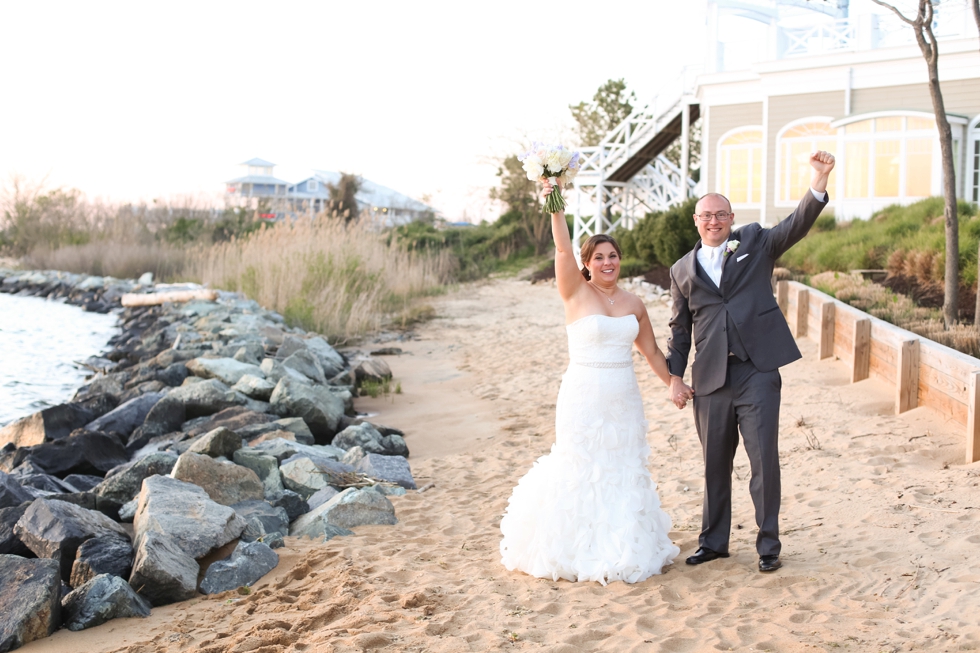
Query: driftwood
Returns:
{"type": "Point", "coordinates": [156, 299]}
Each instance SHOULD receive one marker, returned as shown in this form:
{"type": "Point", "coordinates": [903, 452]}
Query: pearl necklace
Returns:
{"type": "Point", "coordinates": [603, 292]}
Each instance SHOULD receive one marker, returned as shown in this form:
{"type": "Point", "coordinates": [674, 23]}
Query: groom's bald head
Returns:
{"type": "Point", "coordinates": [713, 198]}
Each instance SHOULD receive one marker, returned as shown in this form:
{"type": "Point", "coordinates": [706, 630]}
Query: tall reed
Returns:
{"type": "Point", "coordinates": [339, 280]}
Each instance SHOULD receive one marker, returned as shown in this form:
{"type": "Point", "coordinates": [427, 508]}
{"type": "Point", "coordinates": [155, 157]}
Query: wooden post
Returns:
{"type": "Point", "coordinates": [862, 350]}
{"type": "Point", "coordinates": [828, 312]}
{"type": "Point", "coordinates": [972, 423]}
{"type": "Point", "coordinates": [782, 295]}
{"type": "Point", "coordinates": [802, 311]}
{"type": "Point", "coordinates": [907, 383]}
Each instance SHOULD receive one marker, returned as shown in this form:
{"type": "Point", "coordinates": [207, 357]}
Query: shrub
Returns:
{"type": "Point", "coordinates": [663, 237]}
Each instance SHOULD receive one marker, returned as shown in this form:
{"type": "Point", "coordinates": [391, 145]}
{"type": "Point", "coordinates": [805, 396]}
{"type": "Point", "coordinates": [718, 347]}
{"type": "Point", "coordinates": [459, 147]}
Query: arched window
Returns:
{"type": "Point", "coordinates": [740, 167]}
{"type": "Point", "coordinates": [795, 143]}
{"type": "Point", "coordinates": [973, 162]}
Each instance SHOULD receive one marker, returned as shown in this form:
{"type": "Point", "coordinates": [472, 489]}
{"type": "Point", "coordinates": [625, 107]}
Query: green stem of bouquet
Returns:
{"type": "Point", "coordinates": [554, 203]}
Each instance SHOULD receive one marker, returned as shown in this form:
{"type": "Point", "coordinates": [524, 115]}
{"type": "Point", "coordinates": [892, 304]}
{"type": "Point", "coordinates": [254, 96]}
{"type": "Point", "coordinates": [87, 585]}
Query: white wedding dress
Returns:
{"type": "Point", "coordinates": [589, 511]}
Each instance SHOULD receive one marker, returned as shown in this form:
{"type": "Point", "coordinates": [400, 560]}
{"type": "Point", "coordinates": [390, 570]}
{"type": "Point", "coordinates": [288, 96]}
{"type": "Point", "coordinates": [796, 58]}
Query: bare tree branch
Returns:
{"type": "Point", "coordinates": [894, 9]}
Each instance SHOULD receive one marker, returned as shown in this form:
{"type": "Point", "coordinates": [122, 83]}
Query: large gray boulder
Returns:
{"type": "Point", "coordinates": [9, 542]}
{"type": "Point", "coordinates": [249, 562]}
{"type": "Point", "coordinates": [12, 493]}
{"type": "Point", "coordinates": [127, 417]}
{"type": "Point", "coordinates": [82, 482]}
{"type": "Point", "coordinates": [292, 503]}
{"type": "Point", "coordinates": [126, 483]}
{"type": "Point", "coordinates": [374, 370]}
{"type": "Point", "coordinates": [225, 482]}
{"type": "Point", "coordinates": [368, 438]}
{"type": "Point", "coordinates": [266, 467]}
{"type": "Point", "coordinates": [275, 371]}
{"type": "Point", "coordinates": [107, 554]}
{"type": "Point", "coordinates": [206, 397]}
{"type": "Point", "coordinates": [185, 512]}
{"type": "Point", "coordinates": [284, 449]}
{"type": "Point", "coordinates": [331, 361]}
{"type": "Point", "coordinates": [46, 425]}
{"type": "Point", "coordinates": [319, 408]}
{"type": "Point", "coordinates": [102, 599]}
{"type": "Point", "coordinates": [307, 364]}
{"type": "Point", "coordinates": [351, 508]}
{"type": "Point", "coordinates": [55, 529]}
{"type": "Point", "coordinates": [84, 452]}
{"type": "Point", "coordinates": [227, 370]}
{"type": "Point", "coordinates": [166, 416]}
{"type": "Point", "coordinates": [30, 600]}
{"type": "Point", "coordinates": [320, 497]}
{"type": "Point", "coordinates": [162, 571]}
{"type": "Point", "coordinates": [219, 442]}
{"type": "Point", "coordinates": [261, 519]}
{"type": "Point", "coordinates": [305, 475]}
{"type": "Point", "coordinates": [394, 469]}
{"type": "Point", "coordinates": [254, 387]}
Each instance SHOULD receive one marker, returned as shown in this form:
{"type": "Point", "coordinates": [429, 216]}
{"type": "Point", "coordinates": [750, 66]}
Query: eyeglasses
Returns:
{"type": "Point", "coordinates": [721, 216]}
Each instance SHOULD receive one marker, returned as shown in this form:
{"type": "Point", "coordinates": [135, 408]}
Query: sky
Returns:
{"type": "Point", "coordinates": [135, 101]}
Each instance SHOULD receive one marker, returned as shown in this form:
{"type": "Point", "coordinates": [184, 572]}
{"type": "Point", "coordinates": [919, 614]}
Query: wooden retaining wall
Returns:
{"type": "Point", "coordinates": [923, 372]}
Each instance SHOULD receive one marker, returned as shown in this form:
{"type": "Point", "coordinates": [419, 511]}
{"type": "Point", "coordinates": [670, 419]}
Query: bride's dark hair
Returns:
{"type": "Point", "coordinates": [589, 246]}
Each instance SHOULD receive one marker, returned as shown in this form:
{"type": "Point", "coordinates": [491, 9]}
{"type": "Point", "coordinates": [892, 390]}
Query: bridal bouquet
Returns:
{"type": "Point", "coordinates": [561, 165]}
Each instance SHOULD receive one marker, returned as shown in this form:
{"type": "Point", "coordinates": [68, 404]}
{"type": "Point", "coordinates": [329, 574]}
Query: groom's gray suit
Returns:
{"type": "Point", "coordinates": [741, 339]}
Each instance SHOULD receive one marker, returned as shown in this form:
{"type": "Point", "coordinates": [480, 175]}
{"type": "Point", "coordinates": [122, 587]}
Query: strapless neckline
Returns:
{"type": "Point", "coordinates": [611, 317]}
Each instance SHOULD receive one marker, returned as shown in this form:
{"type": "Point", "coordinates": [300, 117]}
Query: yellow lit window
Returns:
{"type": "Point", "coordinates": [919, 124]}
{"type": "Point", "coordinates": [862, 127]}
{"type": "Point", "coordinates": [796, 144]}
{"type": "Point", "coordinates": [741, 166]}
{"type": "Point", "coordinates": [918, 167]}
{"type": "Point", "coordinates": [889, 124]}
{"type": "Point", "coordinates": [858, 163]}
{"type": "Point", "coordinates": [887, 168]}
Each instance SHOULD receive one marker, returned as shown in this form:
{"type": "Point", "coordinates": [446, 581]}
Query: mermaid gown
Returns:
{"type": "Point", "coordinates": [589, 511]}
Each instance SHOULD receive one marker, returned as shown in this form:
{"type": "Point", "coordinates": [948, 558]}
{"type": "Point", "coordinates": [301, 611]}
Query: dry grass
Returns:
{"type": "Point", "coordinates": [338, 280]}
{"type": "Point", "coordinates": [123, 260]}
{"type": "Point", "coordinates": [898, 310]}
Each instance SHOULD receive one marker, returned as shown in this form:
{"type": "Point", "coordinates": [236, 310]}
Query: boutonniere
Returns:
{"type": "Point", "coordinates": [730, 248]}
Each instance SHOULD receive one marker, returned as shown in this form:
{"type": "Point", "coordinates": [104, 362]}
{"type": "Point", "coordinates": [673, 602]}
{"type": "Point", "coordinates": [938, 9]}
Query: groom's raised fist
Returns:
{"type": "Point", "coordinates": [822, 162]}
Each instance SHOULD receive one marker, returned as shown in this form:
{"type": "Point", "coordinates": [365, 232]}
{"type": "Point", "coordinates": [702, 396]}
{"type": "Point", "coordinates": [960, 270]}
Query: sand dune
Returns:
{"type": "Point", "coordinates": [881, 523]}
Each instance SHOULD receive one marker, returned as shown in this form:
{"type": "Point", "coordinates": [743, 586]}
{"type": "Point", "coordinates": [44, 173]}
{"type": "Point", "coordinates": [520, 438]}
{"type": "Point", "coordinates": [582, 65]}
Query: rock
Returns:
{"type": "Point", "coordinates": [305, 475]}
{"type": "Point", "coordinates": [350, 508]}
{"type": "Point", "coordinates": [9, 542]}
{"type": "Point", "coordinates": [30, 600]}
{"type": "Point", "coordinates": [275, 371]}
{"type": "Point", "coordinates": [353, 456]}
{"type": "Point", "coordinates": [274, 540]}
{"type": "Point", "coordinates": [319, 408]}
{"type": "Point", "coordinates": [295, 425]}
{"type": "Point", "coordinates": [12, 493]}
{"type": "Point", "coordinates": [236, 418]}
{"type": "Point", "coordinates": [184, 511]}
{"type": "Point", "coordinates": [225, 482]}
{"type": "Point", "coordinates": [283, 449]}
{"type": "Point", "coordinates": [266, 467]}
{"type": "Point", "coordinates": [84, 452]}
{"type": "Point", "coordinates": [307, 364]}
{"type": "Point", "coordinates": [55, 529]}
{"type": "Point", "coordinates": [387, 351]}
{"type": "Point", "coordinates": [47, 425]}
{"type": "Point", "coordinates": [331, 361]}
{"type": "Point", "coordinates": [249, 562]}
{"type": "Point", "coordinates": [127, 417]}
{"type": "Point", "coordinates": [261, 518]}
{"type": "Point", "coordinates": [292, 503]}
{"type": "Point", "coordinates": [254, 387]}
{"type": "Point", "coordinates": [45, 482]}
{"type": "Point", "coordinates": [166, 416]}
{"type": "Point", "coordinates": [127, 511]}
{"type": "Point", "coordinates": [289, 346]}
{"type": "Point", "coordinates": [374, 370]}
{"type": "Point", "coordinates": [389, 490]}
{"type": "Point", "coordinates": [82, 482]}
{"type": "Point", "coordinates": [162, 571]}
{"type": "Point", "coordinates": [126, 483]}
{"type": "Point", "coordinates": [368, 438]}
{"type": "Point", "coordinates": [394, 469]}
{"type": "Point", "coordinates": [219, 442]}
{"type": "Point", "coordinates": [227, 370]}
{"type": "Point", "coordinates": [205, 398]}
{"type": "Point", "coordinates": [107, 554]}
{"type": "Point", "coordinates": [102, 599]}
{"type": "Point", "coordinates": [321, 496]}
{"type": "Point", "coordinates": [173, 375]}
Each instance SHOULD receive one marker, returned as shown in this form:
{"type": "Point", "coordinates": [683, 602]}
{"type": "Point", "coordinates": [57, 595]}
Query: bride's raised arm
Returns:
{"type": "Point", "coordinates": [567, 274]}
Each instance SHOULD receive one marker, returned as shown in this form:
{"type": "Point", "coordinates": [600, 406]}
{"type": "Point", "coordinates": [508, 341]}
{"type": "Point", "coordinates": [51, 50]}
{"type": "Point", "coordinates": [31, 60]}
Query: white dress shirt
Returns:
{"type": "Point", "coordinates": [712, 259]}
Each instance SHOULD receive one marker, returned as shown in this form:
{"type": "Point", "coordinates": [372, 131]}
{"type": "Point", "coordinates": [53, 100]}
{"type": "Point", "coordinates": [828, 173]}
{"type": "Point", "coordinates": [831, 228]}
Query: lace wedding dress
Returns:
{"type": "Point", "coordinates": [589, 511]}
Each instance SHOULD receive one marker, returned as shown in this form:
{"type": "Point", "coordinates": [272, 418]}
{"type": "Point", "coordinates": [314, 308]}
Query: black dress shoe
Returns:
{"type": "Point", "coordinates": [769, 563]}
{"type": "Point", "coordinates": [704, 555]}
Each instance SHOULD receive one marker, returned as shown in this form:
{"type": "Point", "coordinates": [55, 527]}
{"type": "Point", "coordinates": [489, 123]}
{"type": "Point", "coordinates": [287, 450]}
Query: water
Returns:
{"type": "Point", "coordinates": [39, 340]}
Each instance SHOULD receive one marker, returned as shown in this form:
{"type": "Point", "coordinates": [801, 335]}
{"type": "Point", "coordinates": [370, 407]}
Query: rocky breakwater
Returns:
{"type": "Point", "coordinates": [207, 424]}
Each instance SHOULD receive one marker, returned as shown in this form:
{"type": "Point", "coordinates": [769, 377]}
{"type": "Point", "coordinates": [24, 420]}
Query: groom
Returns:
{"type": "Point", "coordinates": [721, 290]}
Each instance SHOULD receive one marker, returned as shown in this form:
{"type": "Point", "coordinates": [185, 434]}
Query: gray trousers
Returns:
{"type": "Point", "coordinates": [748, 402]}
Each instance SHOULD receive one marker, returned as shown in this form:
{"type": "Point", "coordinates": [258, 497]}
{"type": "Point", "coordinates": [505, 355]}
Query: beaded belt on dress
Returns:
{"type": "Point", "coordinates": [605, 364]}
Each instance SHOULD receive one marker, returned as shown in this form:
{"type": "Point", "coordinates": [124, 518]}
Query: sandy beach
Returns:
{"type": "Point", "coordinates": [880, 522]}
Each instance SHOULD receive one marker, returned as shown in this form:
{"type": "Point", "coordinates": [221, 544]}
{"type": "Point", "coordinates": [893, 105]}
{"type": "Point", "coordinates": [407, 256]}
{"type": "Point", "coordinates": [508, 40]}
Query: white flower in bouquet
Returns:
{"type": "Point", "coordinates": [555, 163]}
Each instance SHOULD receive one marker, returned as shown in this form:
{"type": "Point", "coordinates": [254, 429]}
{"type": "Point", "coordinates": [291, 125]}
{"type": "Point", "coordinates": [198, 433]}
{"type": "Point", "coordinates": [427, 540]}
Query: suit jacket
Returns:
{"type": "Point", "coordinates": [744, 302]}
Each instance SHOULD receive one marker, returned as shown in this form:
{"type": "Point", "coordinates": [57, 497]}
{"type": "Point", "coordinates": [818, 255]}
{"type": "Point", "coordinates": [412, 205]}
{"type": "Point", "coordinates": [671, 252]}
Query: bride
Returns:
{"type": "Point", "coordinates": [589, 511]}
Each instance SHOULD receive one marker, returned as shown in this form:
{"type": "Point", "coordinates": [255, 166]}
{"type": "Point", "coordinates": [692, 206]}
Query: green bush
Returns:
{"type": "Point", "coordinates": [663, 237]}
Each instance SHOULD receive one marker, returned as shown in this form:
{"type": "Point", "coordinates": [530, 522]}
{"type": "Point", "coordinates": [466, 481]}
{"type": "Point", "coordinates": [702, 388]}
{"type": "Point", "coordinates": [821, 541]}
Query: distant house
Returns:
{"type": "Point", "coordinates": [384, 206]}
{"type": "Point", "coordinates": [258, 182]}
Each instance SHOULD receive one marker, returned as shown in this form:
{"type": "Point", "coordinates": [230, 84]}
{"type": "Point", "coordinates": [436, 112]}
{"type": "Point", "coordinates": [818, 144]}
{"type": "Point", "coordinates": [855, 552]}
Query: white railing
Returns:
{"type": "Point", "coordinates": [829, 37]}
